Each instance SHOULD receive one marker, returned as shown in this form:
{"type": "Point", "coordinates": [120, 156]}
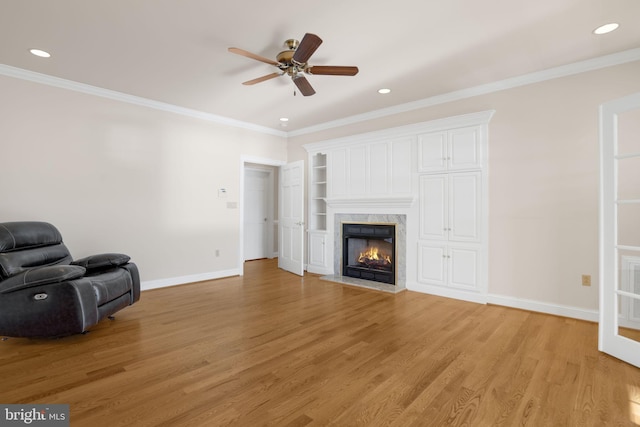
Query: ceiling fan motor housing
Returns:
{"type": "Point", "coordinates": [285, 57]}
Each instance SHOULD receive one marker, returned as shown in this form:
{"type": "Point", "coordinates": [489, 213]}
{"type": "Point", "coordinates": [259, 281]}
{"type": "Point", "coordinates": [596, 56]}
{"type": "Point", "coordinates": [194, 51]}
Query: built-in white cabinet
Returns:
{"type": "Point", "coordinates": [318, 255]}
{"type": "Point", "coordinates": [376, 169]}
{"type": "Point", "coordinates": [450, 265]}
{"type": "Point", "coordinates": [449, 246]}
{"type": "Point", "coordinates": [450, 150]}
{"type": "Point", "coordinates": [450, 206]}
{"type": "Point", "coordinates": [435, 174]}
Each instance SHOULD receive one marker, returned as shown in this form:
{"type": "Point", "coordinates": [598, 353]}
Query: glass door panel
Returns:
{"type": "Point", "coordinates": [628, 132]}
{"type": "Point", "coordinates": [629, 178]}
{"type": "Point", "coordinates": [628, 219]}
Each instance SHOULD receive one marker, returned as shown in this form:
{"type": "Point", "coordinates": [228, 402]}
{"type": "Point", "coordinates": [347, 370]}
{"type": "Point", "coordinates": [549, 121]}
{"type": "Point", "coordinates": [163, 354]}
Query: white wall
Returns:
{"type": "Point", "coordinates": [124, 178]}
{"type": "Point", "coordinates": [543, 181]}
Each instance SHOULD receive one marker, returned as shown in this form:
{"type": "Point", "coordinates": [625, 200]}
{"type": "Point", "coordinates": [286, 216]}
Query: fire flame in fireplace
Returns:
{"type": "Point", "coordinates": [373, 256]}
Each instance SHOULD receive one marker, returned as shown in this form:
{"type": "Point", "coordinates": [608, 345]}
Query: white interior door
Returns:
{"type": "Point", "coordinates": [620, 228]}
{"type": "Point", "coordinates": [291, 218]}
{"type": "Point", "coordinates": [256, 214]}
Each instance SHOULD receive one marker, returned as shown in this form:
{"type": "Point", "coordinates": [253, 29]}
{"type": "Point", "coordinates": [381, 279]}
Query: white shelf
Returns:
{"type": "Point", "coordinates": [318, 192]}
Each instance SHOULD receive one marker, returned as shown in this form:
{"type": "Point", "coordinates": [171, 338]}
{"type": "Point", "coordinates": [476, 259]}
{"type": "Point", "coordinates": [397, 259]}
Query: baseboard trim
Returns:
{"type": "Point", "coordinates": [507, 301]}
{"type": "Point", "coordinates": [459, 294]}
{"type": "Point", "coordinates": [543, 307]}
{"type": "Point", "coordinates": [182, 280]}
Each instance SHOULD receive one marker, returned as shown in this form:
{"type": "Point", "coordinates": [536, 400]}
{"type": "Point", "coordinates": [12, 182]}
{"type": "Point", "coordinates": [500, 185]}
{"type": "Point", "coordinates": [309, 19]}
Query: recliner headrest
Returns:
{"type": "Point", "coordinates": [27, 234]}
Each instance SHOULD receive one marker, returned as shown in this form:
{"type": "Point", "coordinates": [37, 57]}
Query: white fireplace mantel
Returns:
{"type": "Point", "coordinates": [371, 202]}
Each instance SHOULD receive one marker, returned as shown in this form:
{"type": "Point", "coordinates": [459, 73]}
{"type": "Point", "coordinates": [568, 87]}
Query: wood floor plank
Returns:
{"type": "Point", "coordinates": [271, 348]}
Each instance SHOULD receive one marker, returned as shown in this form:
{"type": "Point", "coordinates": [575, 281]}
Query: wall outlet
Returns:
{"type": "Point", "coordinates": [586, 280]}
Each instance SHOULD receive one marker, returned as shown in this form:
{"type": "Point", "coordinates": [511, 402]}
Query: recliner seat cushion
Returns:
{"type": "Point", "coordinates": [41, 276]}
{"type": "Point", "coordinates": [110, 284]}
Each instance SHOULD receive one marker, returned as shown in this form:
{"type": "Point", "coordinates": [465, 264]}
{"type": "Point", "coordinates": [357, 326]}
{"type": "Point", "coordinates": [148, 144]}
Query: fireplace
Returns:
{"type": "Point", "coordinates": [369, 252]}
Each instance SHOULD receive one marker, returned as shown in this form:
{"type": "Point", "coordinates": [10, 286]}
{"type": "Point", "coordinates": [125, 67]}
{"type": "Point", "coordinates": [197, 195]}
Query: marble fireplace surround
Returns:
{"type": "Point", "coordinates": [400, 221]}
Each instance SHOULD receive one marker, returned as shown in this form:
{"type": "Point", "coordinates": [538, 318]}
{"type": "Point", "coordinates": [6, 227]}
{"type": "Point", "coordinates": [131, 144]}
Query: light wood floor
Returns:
{"type": "Point", "coordinates": [271, 348]}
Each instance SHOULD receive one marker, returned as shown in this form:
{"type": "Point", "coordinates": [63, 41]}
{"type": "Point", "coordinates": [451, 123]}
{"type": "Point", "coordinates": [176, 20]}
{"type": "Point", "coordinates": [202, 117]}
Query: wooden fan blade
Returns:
{"type": "Point", "coordinates": [252, 56]}
{"type": "Point", "coordinates": [332, 70]}
{"type": "Point", "coordinates": [261, 79]}
{"type": "Point", "coordinates": [303, 85]}
{"type": "Point", "coordinates": [305, 49]}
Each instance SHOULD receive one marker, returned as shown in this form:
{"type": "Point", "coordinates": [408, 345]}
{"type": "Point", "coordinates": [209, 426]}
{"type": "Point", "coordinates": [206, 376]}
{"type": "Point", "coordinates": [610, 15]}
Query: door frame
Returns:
{"type": "Point", "coordinates": [250, 162]}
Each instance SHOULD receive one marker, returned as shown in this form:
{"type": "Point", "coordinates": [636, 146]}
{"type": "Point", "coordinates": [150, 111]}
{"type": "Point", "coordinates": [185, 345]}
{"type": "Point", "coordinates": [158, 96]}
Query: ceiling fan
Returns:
{"type": "Point", "coordinates": [293, 62]}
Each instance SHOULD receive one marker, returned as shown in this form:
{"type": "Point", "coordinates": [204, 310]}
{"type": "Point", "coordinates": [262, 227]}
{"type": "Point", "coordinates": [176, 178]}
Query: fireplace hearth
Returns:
{"type": "Point", "coordinates": [369, 252]}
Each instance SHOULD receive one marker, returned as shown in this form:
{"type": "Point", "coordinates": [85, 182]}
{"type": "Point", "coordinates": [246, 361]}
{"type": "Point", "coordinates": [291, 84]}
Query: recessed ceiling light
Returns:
{"type": "Point", "coordinates": [384, 90]}
{"type": "Point", "coordinates": [40, 53]}
{"type": "Point", "coordinates": [607, 28]}
{"type": "Point", "coordinates": [284, 119]}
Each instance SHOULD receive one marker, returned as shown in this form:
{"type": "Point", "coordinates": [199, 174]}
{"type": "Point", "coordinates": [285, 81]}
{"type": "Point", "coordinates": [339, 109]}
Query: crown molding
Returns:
{"type": "Point", "coordinates": [463, 120]}
{"type": "Point", "coordinates": [618, 58]}
{"type": "Point", "coordinates": [513, 82]}
{"type": "Point", "coordinates": [19, 73]}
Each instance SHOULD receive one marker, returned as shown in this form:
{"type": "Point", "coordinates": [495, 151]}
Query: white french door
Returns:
{"type": "Point", "coordinates": [291, 218]}
{"type": "Point", "coordinates": [619, 329]}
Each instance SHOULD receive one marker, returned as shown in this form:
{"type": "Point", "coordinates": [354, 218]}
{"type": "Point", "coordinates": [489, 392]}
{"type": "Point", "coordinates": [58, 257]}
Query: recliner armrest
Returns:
{"type": "Point", "coordinates": [102, 261]}
{"type": "Point", "coordinates": [41, 276]}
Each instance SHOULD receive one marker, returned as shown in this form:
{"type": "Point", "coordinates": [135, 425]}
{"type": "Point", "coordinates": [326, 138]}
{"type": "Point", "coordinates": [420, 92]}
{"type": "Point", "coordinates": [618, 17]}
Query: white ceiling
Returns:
{"type": "Point", "coordinates": [175, 51]}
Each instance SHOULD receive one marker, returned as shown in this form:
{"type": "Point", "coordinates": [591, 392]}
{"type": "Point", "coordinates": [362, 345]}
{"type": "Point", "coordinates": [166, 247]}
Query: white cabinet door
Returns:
{"type": "Point", "coordinates": [464, 149]}
{"type": "Point", "coordinates": [433, 207]}
{"type": "Point", "coordinates": [464, 209]}
{"type": "Point", "coordinates": [463, 263]}
{"type": "Point", "coordinates": [432, 262]}
{"type": "Point", "coordinates": [448, 265]}
{"type": "Point", "coordinates": [432, 152]}
{"type": "Point", "coordinates": [378, 172]}
{"type": "Point", "coordinates": [337, 182]}
{"type": "Point", "coordinates": [456, 149]}
{"type": "Point", "coordinates": [317, 249]}
{"type": "Point", "coordinates": [450, 224]}
{"type": "Point", "coordinates": [402, 165]}
{"type": "Point", "coordinates": [450, 206]}
{"type": "Point", "coordinates": [357, 170]}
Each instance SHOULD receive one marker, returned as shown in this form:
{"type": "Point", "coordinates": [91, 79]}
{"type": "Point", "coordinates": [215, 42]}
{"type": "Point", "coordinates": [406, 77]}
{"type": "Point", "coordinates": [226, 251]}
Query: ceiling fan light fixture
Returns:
{"type": "Point", "coordinates": [606, 28]}
{"type": "Point", "coordinates": [40, 53]}
{"type": "Point", "coordinates": [384, 91]}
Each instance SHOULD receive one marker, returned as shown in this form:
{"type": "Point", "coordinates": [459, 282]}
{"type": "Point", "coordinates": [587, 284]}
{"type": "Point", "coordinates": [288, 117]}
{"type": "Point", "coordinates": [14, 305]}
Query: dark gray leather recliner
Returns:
{"type": "Point", "coordinates": [44, 293]}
